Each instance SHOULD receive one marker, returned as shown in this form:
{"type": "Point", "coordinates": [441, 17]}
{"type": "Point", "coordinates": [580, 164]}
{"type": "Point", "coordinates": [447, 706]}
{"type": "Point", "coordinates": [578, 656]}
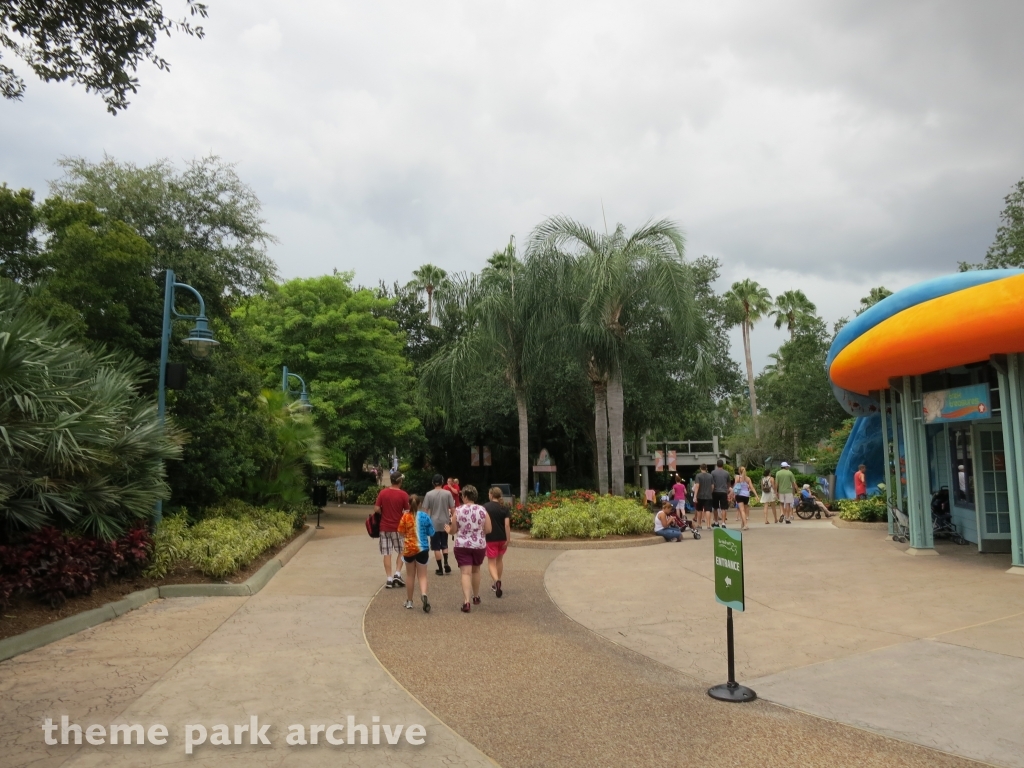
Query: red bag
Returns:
{"type": "Point", "coordinates": [373, 525]}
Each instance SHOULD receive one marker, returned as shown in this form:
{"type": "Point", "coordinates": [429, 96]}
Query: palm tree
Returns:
{"type": "Point", "coordinates": [610, 284]}
{"type": "Point", "coordinates": [873, 297]}
{"type": "Point", "coordinates": [498, 308]}
{"type": "Point", "coordinates": [791, 309]}
{"type": "Point", "coordinates": [425, 280]}
{"type": "Point", "coordinates": [748, 302]}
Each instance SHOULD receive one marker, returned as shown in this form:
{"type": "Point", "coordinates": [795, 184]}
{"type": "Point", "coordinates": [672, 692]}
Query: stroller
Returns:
{"type": "Point", "coordinates": [942, 518]}
{"type": "Point", "coordinates": [683, 524]}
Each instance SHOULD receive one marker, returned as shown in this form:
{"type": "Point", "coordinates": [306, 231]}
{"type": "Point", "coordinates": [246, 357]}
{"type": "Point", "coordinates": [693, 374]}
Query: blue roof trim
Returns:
{"type": "Point", "coordinates": [909, 297]}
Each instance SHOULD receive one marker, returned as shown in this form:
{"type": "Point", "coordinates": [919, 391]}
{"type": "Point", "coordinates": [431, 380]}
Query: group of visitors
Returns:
{"type": "Point", "coordinates": [412, 527]}
{"type": "Point", "coordinates": [714, 492]}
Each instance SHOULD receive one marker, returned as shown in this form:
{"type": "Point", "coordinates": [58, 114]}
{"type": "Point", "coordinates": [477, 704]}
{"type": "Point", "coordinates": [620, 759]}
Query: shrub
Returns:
{"type": "Point", "coordinates": [417, 481]}
{"type": "Point", "coordinates": [521, 517]}
{"type": "Point", "coordinates": [870, 510]}
{"type": "Point", "coordinates": [227, 539]}
{"type": "Point", "coordinates": [369, 496]}
{"type": "Point", "coordinates": [606, 516]}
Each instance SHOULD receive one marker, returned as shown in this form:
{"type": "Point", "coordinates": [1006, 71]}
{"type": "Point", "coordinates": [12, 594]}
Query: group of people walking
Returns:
{"type": "Point", "coordinates": [713, 493]}
{"type": "Point", "coordinates": [412, 527]}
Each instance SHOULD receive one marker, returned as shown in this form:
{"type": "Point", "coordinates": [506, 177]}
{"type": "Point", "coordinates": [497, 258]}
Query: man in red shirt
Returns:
{"type": "Point", "coordinates": [860, 482]}
{"type": "Point", "coordinates": [391, 504]}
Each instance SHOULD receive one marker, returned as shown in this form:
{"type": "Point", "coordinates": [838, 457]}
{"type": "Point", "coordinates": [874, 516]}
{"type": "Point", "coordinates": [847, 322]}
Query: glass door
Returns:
{"type": "Point", "coordinates": [994, 498]}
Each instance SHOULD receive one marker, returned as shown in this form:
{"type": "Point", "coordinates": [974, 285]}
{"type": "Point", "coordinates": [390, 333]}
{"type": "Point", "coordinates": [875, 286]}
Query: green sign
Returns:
{"type": "Point", "coordinates": [729, 568]}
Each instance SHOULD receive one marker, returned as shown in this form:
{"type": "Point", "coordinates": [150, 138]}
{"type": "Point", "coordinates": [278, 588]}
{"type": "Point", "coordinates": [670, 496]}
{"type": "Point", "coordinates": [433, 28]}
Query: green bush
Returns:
{"type": "Point", "coordinates": [870, 510]}
{"type": "Point", "coordinates": [226, 540]}
{"type": "Point", "coordinates": [605, 516]}
{"type": "Point", "coordinates": [417, 481]}
{"type": "Point", "coordinates": [369, 496]}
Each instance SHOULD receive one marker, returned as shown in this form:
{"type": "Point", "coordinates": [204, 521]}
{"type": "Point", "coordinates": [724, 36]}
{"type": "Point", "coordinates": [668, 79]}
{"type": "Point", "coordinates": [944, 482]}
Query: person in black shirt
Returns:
{"type": "Point", "coordinates": [497, 539]}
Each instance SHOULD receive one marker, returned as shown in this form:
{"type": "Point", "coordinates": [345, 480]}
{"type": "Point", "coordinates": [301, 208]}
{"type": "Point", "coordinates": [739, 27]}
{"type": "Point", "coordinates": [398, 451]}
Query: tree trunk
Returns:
{"type": "Point", "coordinates": [616, 408]}
{"type": "Point", "coordinates": [750, 377]}
{"type": "Point", "coordinates": [601, 434]}
{"type": "Point", "coordinates": [524, 445]}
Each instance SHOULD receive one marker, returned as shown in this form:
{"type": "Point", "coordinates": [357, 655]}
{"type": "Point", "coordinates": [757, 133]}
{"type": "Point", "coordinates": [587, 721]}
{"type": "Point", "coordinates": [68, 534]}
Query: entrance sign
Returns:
{"type": "Point", "coordinates": [728, 550]}
{"type": "Point", "coordinates": [960, 404]}
{"type": "Point", "coordinates": [729, 568]}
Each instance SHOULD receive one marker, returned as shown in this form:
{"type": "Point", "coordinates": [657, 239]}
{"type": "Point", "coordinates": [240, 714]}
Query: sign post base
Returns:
{"type": "Point", "coordinates": [731, 692]}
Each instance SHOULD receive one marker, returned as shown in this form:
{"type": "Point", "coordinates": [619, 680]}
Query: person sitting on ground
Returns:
{"type": "Point", "coordinates": [809, 497]}
{"type": "Point", "coordinates": [665, 524]}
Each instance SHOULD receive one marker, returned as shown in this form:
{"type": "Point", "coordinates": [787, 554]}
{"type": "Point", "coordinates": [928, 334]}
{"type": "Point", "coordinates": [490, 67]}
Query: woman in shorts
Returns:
{"type": "Point", "coordinates": [742, 490]}
{"type": "Point", "coordinates": [470, 526]}
{"type": "Point", "coordinates": [769, 497]}
{"type": "Point", "coordinates": [416, 529]}
{"type": "Point", "coordinates": [497, 539]}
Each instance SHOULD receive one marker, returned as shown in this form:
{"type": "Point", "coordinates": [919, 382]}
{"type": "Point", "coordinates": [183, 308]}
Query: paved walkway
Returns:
{"type": "Point", "coordinates": [839, 623]}
{"type": "Point", "coordinates": [294, 653]}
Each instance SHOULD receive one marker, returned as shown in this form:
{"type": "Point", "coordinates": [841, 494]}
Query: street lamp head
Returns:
{"type": "Point", "coordinates": [200, 341]}
{"type": "Point", "coordinates": [304, 403]}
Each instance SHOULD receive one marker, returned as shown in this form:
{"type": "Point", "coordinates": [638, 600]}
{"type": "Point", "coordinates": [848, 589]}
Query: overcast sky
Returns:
{"type": "Point", "coordinates": [831, 146]}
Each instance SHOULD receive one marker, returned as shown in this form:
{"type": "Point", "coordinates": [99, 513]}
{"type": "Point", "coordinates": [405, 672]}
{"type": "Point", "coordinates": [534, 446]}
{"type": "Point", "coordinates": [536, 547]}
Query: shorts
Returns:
{"type": "Point", "coordinates": [496, 548]}
{"type": "Point", "coordinates": [768, 497]}
{"type": "Point", "coordinates": [742, 499]}
{"type": "Point", "coordinates": [420, 557]}
{"type": "Point", "coordinates": [467, 556]}
{"type": "Point", "coordinates": [719, 500]}
{"type": "Point", "coordinates": [439, 541]}
{"type": "Point", "coordinates": [786, 498]}
{"type": "Point", "coordinates": [680, 505]}
{"type": "Point", "coordinates": [702, 505]}
{"type": "Point", "coordinates": [391, 543]}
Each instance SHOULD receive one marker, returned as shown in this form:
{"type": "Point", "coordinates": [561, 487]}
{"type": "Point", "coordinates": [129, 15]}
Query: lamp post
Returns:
{"type": "Point", "coordinates": [304, 403]}
{"type": "Point", "coordinates": [200, 342]}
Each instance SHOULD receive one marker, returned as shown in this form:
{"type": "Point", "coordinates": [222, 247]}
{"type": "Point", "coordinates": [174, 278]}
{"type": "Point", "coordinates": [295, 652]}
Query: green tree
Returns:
{"type": "Point", "coordinates": [298, 445]}
{"type": "Point", "coordinates": [873, 297]}
{"type": "Point", "coordinates": [79, 447]}
{"type": "Point", "coordinates": [792, 308]}
{"type": "Point", "coordinates": [612, 285]}
{"type": "Point", "coordinates": [426, 279]}
{"type": "Point", "coordinates": [96, 43]}
{"type": "Point", "coordinates": [337, 339]}
{"type": "Point", "coordinates": [748, 302]}
{"type": "Point", "coordinates": [19, 249]}
{"type": "Point", "coordinates": [1008, 248]}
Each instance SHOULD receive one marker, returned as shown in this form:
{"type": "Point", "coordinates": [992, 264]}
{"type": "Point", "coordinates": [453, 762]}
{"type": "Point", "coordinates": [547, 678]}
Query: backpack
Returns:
{"type": "Point", "coordinates": [373, 525]}
{"type": "Point", "coordinates": [766, 484]}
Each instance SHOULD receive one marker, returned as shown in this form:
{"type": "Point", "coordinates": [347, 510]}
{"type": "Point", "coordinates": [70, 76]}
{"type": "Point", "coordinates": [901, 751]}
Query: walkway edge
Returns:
{"type": "Point", "coordinates": [58, 630]}
{"type": "Point", "coordinates": [577, 545]}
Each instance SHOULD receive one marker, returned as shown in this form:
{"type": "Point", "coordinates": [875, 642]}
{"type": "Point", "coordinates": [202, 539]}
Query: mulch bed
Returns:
{"type": "Point", "coordinates": [26, 613]}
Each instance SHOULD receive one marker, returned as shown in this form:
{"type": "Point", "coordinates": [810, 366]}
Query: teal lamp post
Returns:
{"type": "Point", "coordinates": [304, 403]}
{"type": "Point", "coordinates": [200, 342]}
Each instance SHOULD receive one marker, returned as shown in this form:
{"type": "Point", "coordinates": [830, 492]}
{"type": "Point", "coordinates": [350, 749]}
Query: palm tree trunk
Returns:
{"type": "Point", "coordinates": [524, 445]}
{"type": "Point", "coordinates": [616, 407]}
{"type": "Point", "coordinates": [601, 433]}
{"type": "Point", "coordinates": [750, 377]}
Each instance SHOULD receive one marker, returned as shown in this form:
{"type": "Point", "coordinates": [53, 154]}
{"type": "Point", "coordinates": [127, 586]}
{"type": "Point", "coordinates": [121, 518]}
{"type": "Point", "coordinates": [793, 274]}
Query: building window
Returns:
{"type": "Point", "coordinates": [962, 460]}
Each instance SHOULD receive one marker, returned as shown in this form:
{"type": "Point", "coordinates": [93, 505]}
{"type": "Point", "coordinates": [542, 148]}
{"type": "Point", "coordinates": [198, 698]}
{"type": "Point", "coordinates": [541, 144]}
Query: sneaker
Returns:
{"type": "Point", "coordinates": [497, 591]}
{"type": "Point", "coordinates": [465, 607]}
{"type": "Point", "coordinates": [399, 582]}
{"type": "Point", "coordinates": [494, 587]}
{"type": "Point", "coordinates": [476, 599]}
{"type": "Point", "coordinates": [426, 603]}
{"type": "Point", "coordinates": [447, 568]}
{"type": "Point", "coordinates": [390, 584]}
{"type": "Point", "coordinates": [408, 603]}
{"type": "Point", "coordinates": [787, 522]}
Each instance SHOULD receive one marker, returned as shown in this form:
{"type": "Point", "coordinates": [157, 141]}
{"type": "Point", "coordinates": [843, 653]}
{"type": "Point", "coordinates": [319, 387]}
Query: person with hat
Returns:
{"type": "Point", "coordinates": [391, 504]}
{"type": "Point", "coordinates": [785, 482]}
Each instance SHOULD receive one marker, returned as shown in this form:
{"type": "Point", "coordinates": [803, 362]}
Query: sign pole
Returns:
{"type": "Point", "coordinates": [728, 550]}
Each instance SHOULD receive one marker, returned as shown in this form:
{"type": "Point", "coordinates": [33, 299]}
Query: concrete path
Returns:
{"type": "Point", "coordinates": [533, 688]}
{"type": "Point", "coordinates": [839, 623]}
{"type": "Point", "coordinates": [294, 653]}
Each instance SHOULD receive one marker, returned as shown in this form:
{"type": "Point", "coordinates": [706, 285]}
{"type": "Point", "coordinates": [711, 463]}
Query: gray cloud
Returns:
{"type": "Point", "coordinates": [834, 144]}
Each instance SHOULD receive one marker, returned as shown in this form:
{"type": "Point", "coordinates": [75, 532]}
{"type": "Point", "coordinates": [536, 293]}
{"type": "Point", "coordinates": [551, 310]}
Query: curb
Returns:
{"type": "Point", "coordinates": [859, 524]}
{"type": "Point", "coordinates": [595, 544]}
{"type": "Point", "coordinates": [58, 630]}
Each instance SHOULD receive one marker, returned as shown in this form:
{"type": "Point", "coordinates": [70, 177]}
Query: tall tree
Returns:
{"type": "Point", "coordinates": [873, 297]}
{"type": "Point", "coordinates": [19, 249]}
{"type": "Point", "coordinates": [95, 43]}
{"type": "Point", "coordinates": [426, 279]}
{"type": "Point", "coordinates": [615, 284]}
{"type": "Point", "coordinates": [748, 303]}
{"type": "Point", "coordinates": [792, 308]}
{"type": "Point", "coordinates": [1008, 248]}
{"type": "Point", "coordinates": [499, 307]}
